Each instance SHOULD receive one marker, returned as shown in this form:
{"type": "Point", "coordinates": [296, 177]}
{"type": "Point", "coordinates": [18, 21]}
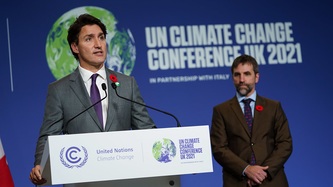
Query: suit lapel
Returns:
{"type": "Point", "coordinates": [239, 114]}
{"type": "Point", "coordinates": [78, 87]}
{"type": "Point", "coordinates": [258, 116]}
{"type": "Point", "coordinates": [112, 97]}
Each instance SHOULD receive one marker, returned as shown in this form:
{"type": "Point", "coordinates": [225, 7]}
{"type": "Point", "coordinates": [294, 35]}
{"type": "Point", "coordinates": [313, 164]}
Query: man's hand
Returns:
{"type": "Point", "coordinates": [251, 183]}
{"type": "Point", "coordinates": [256, 174]}
{"type": "Point", "coordinates": [36, 177]}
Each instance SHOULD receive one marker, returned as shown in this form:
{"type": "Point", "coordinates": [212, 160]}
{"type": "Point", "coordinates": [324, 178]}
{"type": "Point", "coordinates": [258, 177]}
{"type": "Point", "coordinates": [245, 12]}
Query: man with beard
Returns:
{"type": "Point", "coordinates": [250, 134]}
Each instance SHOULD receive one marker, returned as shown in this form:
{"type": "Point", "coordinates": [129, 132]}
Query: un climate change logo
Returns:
{"type": "Point", "coordinates": [121, 52]}
{"type": "Point", "coordinates": [74, 157]}
{"type": "Point", "coordinates": [164, 150]}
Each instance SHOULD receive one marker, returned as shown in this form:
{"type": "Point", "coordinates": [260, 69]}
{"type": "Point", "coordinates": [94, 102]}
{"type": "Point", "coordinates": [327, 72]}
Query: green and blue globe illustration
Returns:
{"type": "Point", "coordinates": [121, 46]}
{"type": "Point", "coordinates": [164, 151]}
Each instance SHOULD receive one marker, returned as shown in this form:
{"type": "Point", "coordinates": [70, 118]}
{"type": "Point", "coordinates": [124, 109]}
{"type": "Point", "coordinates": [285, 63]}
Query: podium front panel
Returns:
{"type": "Point", "coordinates": [132, 154]}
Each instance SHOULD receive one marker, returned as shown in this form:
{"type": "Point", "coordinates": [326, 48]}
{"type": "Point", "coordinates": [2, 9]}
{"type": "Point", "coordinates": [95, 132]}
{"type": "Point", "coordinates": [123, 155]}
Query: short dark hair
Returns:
{"type": "Point", "coordinates": [243, 59]}
{"type": "Point", "coordinates": [75, 29]}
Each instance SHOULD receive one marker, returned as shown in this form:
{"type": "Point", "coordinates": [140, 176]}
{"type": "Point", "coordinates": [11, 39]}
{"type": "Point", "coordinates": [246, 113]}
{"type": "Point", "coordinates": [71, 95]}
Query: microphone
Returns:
{"type": "Point", "coordinates": [104, 88]}
{"type": "Point", "coordinates": [115, 84]}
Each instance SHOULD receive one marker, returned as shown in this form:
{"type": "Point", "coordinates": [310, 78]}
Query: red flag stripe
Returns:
{"type": "Point", "coordinates": [6, 179]}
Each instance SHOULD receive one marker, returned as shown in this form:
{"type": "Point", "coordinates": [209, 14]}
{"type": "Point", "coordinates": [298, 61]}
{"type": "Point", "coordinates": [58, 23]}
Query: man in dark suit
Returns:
{"type": "Point", "coordinates": [251, 151]}
{"type": "Point", "coordinates": [70, 95]}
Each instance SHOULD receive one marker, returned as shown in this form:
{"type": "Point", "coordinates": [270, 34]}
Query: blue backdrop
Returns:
{"type": "Point", "coordinates": [294, 69]}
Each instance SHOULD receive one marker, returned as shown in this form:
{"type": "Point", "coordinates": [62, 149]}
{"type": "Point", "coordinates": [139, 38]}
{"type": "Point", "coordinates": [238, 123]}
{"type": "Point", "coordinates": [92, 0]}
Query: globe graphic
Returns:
{"type": "Point", "coordinates": [164, 151]}
{"type": "Point", "coordinates": [121, 46]}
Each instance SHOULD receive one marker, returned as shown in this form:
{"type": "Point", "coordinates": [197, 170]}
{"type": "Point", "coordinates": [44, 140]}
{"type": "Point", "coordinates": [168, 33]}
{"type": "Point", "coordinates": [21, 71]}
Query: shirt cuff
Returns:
{"type": "Point", "coordinates": [244, 170]}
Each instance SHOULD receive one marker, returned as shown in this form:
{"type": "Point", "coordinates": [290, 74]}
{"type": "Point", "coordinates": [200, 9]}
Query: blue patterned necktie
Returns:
{"type": "Point", "coordinates": [95, 97]}
{"type": "Point", "coordinates": [249, 120]}
{"type": "Point", "coordinates": [248, 113]}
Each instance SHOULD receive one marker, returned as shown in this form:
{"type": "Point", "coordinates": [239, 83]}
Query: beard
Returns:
{"type": "Point", "coordinates": [244, 89]}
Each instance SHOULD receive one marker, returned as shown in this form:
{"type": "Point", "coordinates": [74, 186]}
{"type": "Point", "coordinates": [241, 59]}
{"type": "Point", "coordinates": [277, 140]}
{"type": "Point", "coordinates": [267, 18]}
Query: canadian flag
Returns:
{"type": "Point", "coordinates": [6, 179]}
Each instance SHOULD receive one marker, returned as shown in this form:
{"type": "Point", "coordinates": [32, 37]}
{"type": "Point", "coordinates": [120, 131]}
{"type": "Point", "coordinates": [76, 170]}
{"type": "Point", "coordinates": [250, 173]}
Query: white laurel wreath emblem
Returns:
{"type": "Point", "coordinates": [77, 165]}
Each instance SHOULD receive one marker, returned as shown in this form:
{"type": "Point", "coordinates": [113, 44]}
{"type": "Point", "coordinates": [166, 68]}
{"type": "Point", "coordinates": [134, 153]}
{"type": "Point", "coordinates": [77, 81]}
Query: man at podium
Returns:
{"type": "Point", "coordinates": [84, 101]}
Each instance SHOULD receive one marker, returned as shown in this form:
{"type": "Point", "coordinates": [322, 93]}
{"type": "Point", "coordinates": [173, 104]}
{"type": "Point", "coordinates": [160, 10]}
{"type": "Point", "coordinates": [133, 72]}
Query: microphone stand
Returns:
{"type": "Point", "coordinates": [114, 86]}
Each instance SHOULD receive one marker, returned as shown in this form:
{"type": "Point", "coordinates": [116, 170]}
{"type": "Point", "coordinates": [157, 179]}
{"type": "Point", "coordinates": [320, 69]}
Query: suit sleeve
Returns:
{"type": "Point", "coordinates": [52, 122]}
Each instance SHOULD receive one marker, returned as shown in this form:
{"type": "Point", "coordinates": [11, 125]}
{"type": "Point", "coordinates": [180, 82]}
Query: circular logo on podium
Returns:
{"type": "Point", "coordinates": [74, 156]}
{"type": "Point", "coordinates": [164, 150]}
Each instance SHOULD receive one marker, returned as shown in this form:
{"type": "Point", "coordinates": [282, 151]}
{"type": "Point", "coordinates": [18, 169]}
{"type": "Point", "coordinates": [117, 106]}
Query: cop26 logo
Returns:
{"type": "Point", "coordinates": [164, 150]}
{"type": "Point", "coordinates": [74, 156]}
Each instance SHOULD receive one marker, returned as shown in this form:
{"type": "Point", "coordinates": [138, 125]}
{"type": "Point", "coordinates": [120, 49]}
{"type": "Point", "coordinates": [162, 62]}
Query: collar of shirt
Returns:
{"type": "Point", "coordinates": [86, 74]}
{"type": "Point", "coordinates": [253, 96]}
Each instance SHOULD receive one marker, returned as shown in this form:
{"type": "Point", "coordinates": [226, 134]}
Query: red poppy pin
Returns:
{"type": "Point", "coordinates": [259, 108]}
{"type": "Point", "coordinates": [114, 79]}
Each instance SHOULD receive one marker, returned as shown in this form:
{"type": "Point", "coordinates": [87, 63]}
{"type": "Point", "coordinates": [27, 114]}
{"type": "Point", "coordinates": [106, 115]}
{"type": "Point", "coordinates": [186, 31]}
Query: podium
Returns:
{"type": "Point", "coordinates": [149, 157]}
